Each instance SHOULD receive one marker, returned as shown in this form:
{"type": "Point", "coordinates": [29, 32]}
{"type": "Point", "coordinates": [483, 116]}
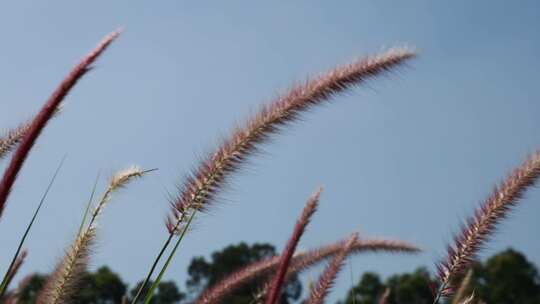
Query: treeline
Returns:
{"type": "Point", "coordinates": [507, 277]}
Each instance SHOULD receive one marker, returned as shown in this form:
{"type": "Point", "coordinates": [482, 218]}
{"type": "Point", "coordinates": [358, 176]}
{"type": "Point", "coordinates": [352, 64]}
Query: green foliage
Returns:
{"type": "Point", "coordinates": [404, 288]}
{"type": "Point", "coordinates": [203, 273]}
{"type": "Point", "coordinates": [102, 287]}
{"type": "Point", "coordinates": [410, 288]}
{"type": "Point", "coordinates": [367, 290]}
{"type": "Point", "coordinates": [508, 277]}
{"type": "Point", "coordinates": [32, 286]}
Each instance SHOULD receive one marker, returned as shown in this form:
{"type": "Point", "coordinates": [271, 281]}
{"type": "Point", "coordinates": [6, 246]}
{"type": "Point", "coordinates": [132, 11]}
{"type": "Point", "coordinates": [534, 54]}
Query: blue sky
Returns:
{"type": "Point", "coordinates": [407, 156]}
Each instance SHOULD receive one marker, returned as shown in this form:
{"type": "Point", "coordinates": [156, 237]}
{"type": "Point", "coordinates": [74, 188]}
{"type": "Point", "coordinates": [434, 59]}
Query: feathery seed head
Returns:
{"type": "Point", "coordinates": [202, 185]}
{"type": "Point", "coordinates": [482, 225]}
{"type": "Point", "coordinates": [60, 287]}
{"type": "Point", "coordinates": [300, 262]}
{"type": "Point", "coordinates": [39, 122]}
{"type": "Point", "coordinates": [123, 177]}
{"type": "Point", "coordinates": [288, 252]}
{"type": "Point", "coordinates": [11, 138]}
{"type": "Point", "coordinates": [327, 279]}
{"type": "Point", "coordinates": [119, 180]}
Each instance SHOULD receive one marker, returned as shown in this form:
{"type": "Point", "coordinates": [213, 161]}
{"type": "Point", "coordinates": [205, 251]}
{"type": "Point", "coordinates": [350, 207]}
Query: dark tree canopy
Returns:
{"type": "Point", "coordinates": [410, 288]}
{"type": "Point", "coordinates": [203, 273]}
{"type": "Point", "coordinates": [404, 288]}
{"type": "Point", "coordinates": [102, 287]}
{"type": "Point", "coordinates": [507, 277]}
{"type": "Point", "coordinates": [367, 291]}
{"type": "Point", "coordinates": [32, 285]}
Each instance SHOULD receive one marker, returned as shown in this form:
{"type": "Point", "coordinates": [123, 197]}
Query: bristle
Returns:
{"type": "Point", "coordinates": [300, 262]}
{"type": "Point", "coordinates": [327, 279]}
{"type": "Point", "coordinates": [201, 187]}
{"type": "Point", "coordinates": [482, 225]}
{"type": "Point", "coordinates": [299, 229]}
{"type": "Point", "coordinates": [42, 118]}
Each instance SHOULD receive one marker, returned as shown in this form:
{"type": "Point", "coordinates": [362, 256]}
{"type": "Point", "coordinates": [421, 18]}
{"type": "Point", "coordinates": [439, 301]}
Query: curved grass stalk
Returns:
{"type": "Point", "coordinates": [203, 184]}
{"type": "Point", "coordinates": [44, 115]}
{"type": "Point", "coordinates": [277, 282]}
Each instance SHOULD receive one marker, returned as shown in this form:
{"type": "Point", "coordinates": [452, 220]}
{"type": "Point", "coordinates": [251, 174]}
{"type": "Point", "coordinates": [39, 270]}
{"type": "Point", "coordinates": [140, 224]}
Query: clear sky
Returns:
{"type": "Point", "coordinates": [407, 156]}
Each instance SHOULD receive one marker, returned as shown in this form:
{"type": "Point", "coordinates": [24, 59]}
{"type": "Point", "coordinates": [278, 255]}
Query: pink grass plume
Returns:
{"type": "Point", "coordinates": [44, 115]}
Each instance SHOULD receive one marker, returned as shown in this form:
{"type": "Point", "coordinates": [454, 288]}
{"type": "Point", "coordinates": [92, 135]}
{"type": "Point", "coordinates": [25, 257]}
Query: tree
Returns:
{"type": "Point", "coordinates": [404, 289]}
{"type": "Point", "coordinates": [102, 287]}
{"type": "Point", "coordinates": [410, 288]}
{"type": "Point", "coordinates": [203, 274]}
{"type": "Point", "coordinates": [508, 277]}
{"type": "Point", "coordinates": [367, 290]}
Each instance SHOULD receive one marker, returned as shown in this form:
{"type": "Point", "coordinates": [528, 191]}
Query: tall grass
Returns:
{"type": "Point", "coordinates": [200, 190]}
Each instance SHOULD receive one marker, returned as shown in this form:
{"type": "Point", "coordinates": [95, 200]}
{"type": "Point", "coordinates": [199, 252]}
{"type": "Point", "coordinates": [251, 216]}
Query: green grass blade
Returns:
{"type": "Point", "coordinates": [168, 262]}
{"type": "Point", "coordinates": [152, 269]}
{"type": "Point", "coordinates": [4, 285]}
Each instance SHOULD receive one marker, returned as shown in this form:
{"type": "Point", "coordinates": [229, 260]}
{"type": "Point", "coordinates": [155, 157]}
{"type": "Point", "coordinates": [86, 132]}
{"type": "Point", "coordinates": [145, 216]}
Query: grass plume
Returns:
{"type": "Point", "coordinates": [299, 229]}
{"type": "Point", "coordinates": [300, 262]}
{"type": "Point", "coordinates": [204, 183]}
{"type": "Point", "coordinates": [13, 137]}
{"type": "Point", "coordinates": [60, 287]}
{"type": "Point", "coordinates": [326, 280]}
{"type": "Point", "coordinates": [482, 225]}
{"type": "Point", "coordinates": [201, 186]}
{"type": "Point", "coordinates": [118, 181]}
{"type": "Point", "coordinates": [15, 268]}
{"type": "Point", "coordinates": [44, 115]}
